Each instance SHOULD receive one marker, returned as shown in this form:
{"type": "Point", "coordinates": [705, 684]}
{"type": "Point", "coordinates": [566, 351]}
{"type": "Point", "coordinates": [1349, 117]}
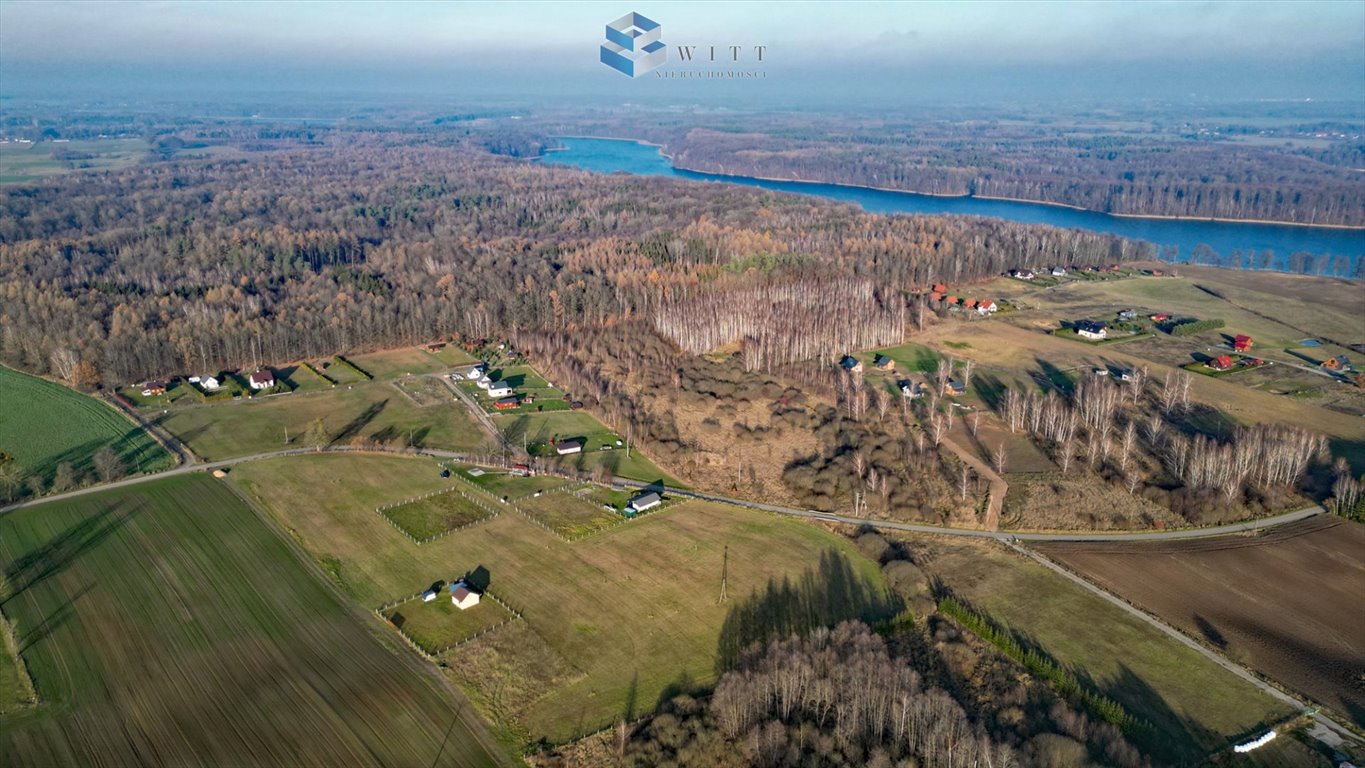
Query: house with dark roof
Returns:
{"type": "Point", "coordinates": [1091, 329]}
{"type": "Point", "coordinates": [956, 387]}
{"type": "Point", "coordinates": [566, 447]}
{"type": "Point", "coordinates": [462, 596]}
{"type": "Point", "coordinates": [642, 502]}
{"type": "Point", "coordinates": [884, 363]}
{"type": "Point", "coordinates": [262, 379]}
{"type": "Point", "coordinates": [506, 403]}
{"type": "Point", "coordinates": [851, 364]}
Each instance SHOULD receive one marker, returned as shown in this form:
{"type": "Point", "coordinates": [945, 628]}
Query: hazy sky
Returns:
{"type": "Point", "coordinates": [972, 50]}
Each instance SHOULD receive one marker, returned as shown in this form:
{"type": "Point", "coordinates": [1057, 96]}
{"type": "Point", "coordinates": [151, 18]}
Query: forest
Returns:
{"type": "Point", "coordinates": [193, 266]}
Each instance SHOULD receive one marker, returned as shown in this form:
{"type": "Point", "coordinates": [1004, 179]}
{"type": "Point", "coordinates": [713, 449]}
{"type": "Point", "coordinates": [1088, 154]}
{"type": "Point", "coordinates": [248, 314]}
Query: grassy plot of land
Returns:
{"type": "Point", "coordinates": [568, 515]}
{"type": "Point", "coordinates": [22, 163]}
{"type": "Point", "coordinates": [910, 358]}
{"type": "Point", "coordinates": [1193, 705]}
{"type": "Point", "coordinates": [372, 410]}
{"type": "Point", "coordinates": [392, 363]}
{"type": "Point", "coordinates": [434, 515]}
{"type": "Point", "coordinates": [599, 449]}
{"type": "Point", "coordinates": [622, 615]}
{"type": "Point", "coordinates": [43, 424]}
{"type": "Point", "coordinates": [501, 483]}
{"type": "Point", "coordinates": [171, 621]}
{"type": "Point", "coordinates": [424, 391]}
{"type": "Point", "coordinates": [451, 355]}
{"type": "Point", "coordinates": [439, 625]}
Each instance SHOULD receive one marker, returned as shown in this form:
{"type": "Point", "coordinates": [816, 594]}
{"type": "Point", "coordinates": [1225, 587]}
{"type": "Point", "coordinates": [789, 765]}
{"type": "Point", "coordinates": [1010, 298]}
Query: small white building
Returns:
{"type": "Point", "coordinates": [1091, 330]}
{"type": "Point", "coordinates": [262, 379]}
{"type": "Point", "coordinates": [462, 596]}
{"type": "Point", "coordinates": [484, 382]}
{"type": "Point", "coordinates": [499, 389]}
{"type": "Point", "coordinates": [987, 307]}
{"type": "Point", "coordinates": [642, 502]}
{"type": "Point", "coordinates": [566, 447]}
{"type": "Point", "coordinates": [429, 595]}
{"type": "Point", "coordinates": [476, 372]}
{"type": "Point", "coordinates": [209, 383]}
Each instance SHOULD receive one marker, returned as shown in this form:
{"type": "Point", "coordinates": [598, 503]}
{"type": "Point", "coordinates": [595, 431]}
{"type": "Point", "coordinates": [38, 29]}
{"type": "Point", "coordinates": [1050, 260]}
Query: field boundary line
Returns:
{"type": "Point", "coordinates": [11, 642]}
{"type": "Point", "coordinates": [383, 512]}
{"type": "Point", "coordinates": [1264, 685]}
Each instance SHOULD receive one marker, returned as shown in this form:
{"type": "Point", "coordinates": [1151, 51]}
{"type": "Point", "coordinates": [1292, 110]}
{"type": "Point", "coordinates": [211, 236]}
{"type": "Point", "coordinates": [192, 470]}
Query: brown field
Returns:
{"type": "Point", "coordinates": [1290, 604]}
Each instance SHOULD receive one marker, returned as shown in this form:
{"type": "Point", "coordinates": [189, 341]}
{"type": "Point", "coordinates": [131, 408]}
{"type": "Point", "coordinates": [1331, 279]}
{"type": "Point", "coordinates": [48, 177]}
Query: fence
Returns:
{"type": "Point", "coordinates": [431, 656]}
{"type": "Point", "coordinates": [383, 512]}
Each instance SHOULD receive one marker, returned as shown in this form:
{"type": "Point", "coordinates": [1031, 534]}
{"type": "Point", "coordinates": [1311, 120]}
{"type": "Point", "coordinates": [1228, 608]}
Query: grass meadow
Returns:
{"type": "Point", "coordinates": [43, 424]}
{"type": "Point", "coordinates": [152, 618]}
{"type": "Point", "coordinates": [435, 515]}
{"type": "Point", "coordinates": [372, 410]}
{"type": "Point", "coordinates": [1194, 706]}
{"type": "Point", "coordinates": [615, 620]}
{"type": "Point", "coordinates": [599, 451]}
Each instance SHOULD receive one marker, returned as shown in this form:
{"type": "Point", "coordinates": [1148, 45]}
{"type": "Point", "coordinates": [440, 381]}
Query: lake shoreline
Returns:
{"type": "Point", "coordinates": [966, 195]}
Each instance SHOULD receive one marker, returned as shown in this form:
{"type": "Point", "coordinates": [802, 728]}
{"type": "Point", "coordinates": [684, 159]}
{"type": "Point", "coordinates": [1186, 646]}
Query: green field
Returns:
{"type": "Point", "coordinates": [23, 163]}
{"type": "Point", "coordinates": [438, 625]}
{"type": "Point", "coordinates": [371, 410]}
{"type": "Point", "coordinates": [910, 358]}
{"type": "Point", "coordinates": [169, 624]}
{"type": "Point", "coordinates": [1194, 705]}
{"type": "Point", "coordinates": [435, 515]}
{"type": "Point", "coordinates": [43, 424]}
{"type": "Point", "coordinates": [568, 515]}
{"type": "Point", "coordinates": [392, 363]}
{"type": "Point", "coordinates": [618, 617]}
{"type": "Point", "coordinates": [600, 450]}
{"type": "Point", "coordinates": [500, 483]}
{"type": "Point", "coordinates": [451, 355]}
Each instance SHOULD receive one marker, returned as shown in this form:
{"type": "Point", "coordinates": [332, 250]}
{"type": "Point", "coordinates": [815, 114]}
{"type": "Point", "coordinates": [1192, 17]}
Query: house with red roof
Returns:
{"type": "Point", "coordinates": [1220, 363]}
{"type": "Point", "coordinates": [1242, 343]}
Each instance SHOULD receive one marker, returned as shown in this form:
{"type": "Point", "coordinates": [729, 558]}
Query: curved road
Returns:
{"type": "Point", "coordinates": [1005, 536]}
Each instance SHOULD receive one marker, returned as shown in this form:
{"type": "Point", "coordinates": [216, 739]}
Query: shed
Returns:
{"type": "Point", "coordinates": [462, 596]}
{"type": "Point", "coordinates": [566, 447]}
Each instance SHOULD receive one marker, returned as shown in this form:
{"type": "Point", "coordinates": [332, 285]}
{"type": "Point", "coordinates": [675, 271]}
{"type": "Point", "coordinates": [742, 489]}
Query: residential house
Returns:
{"type": "Point", "coordinates": [506, 403]}
{"type": "Point", "coordinates": [1242, 343]}
{"type": "Point", "coordinates": [1127, 314]}
{"type": "Point", "coordinates": [1220, 363]}
{"type": "Point", "coordinates": [566, 447]}
{"type": "Point", "coordinates": [1337, 363]}
{"type": "Point", "coordinates": [1058, 271]}
{"type": "Point", "coordinates": [1127, 374]}
{"type": "Point", "coordinates": [153, 388]}
{"type": "Point", "coordinates": [1022, 274]}
{"type": "Point", "coordinates": [499, 389]}
{"type": "Point", "coordinates": [851, 364]}
{"type": "Point", "coordinates": [476, 372]}
{"type": "Point", "coordinates": [484, 382]}
{"type": "Point", "coordinates": [1089, 329]}
{"type": "Point", "coordinates": [987, 307]}
{"type": "Point", "coordinates": [910, 389]}
{"type": "Point", "coordinates": [956, 387]}
{"type": "Point", "coordinates": [462, 596]}
{"type": "Point", "coordinates": [262, 379]}
{"type": "Point", "coordinates": [210, 383]}
{"type": "Point", "coordinates": [884, 363]}
{"type": "Point", "coordinates": [642, 502]}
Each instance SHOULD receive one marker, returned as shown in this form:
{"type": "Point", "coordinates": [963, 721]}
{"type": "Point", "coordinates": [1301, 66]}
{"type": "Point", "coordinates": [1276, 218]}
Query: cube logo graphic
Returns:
{"type": "Point", "coordinates": [633, 46]}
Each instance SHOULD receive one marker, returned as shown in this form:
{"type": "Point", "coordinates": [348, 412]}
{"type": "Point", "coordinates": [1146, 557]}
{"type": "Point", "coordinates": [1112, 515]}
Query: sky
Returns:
{"type": "Point", "coordinates": [894, 51]}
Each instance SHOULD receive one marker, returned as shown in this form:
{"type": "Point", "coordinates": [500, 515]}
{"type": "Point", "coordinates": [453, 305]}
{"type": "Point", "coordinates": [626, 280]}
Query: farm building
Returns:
{"type": "Point", "coordinates": [884, 363]}
{"type": "Point", "coordinates": [262, 379]}
{"type": "Point", "coordinates": [153, 388]}
{"type": "Point", "coordinates": [566, 447]}
{"type": "Point", "coordinates": [1089, 329]}
{"type": "Point", "coordinates": [462, 596]}
{"type": "Point", "coordinates": [642, 502]}
{"type": "Point", "coordinates": [956, 387]}
{"type": "Point", "coordinates": [499, 389]}
{"type": "Point", "coordinates": [851, 363]}
{"type": "Point", "coordinates": [506, 403]}
{"type": "Point", "coordinates": [1242, 343]}
{"type": "Point", "coordinates": [1220, 363]}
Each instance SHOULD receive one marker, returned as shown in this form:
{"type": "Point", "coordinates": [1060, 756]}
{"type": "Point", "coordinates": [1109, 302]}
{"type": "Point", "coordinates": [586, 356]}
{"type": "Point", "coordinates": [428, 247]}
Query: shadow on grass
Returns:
{"type": "Point", "coordinates": [822, 597]}
{"type": "Point", "coordinates": [63, 549]}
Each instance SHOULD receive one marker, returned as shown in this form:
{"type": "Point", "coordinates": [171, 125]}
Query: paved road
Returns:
{"type": "Point", "coordinates": [1325, 730]}
{"type": "Point", "coordinates": [1006, 536]}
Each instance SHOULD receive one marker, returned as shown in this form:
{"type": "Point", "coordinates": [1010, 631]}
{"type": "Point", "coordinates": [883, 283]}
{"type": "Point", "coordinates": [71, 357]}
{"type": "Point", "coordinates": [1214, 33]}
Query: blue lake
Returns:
{"type": "Point", "coordinates": [1326, 245]}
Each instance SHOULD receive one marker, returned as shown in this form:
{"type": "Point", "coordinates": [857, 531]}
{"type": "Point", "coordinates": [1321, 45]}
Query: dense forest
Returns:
{"type": "Point", "coordinates": [1304, 174]}
{"type": "Point", "coordinates": [367, 241]}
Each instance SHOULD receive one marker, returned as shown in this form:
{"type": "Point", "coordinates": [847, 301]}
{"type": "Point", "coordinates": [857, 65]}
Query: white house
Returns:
{"type": "Point", "coordinates": [462, 596]}
{"type": "Point", "coordinates": [566, 447]}
{"type": "Point", "coordinates": [499, 389]}
{"type": "Point", "coordinates": [987, 307]}
{"type": "Point", "coordinates": [1088, 329]}
{"type": "Point", "coordinates": [642, 502]}
{"type": "Point", "coordinates": [911, 390]}
{"type": "Point", "coordinates": [484, 382]}
{"type": "Point", "coordinates": [476, 372]}
{"type": "Point", "coordinates": [262, 379]}
{"type": "Point", "coordinates": [1022, 274]}
{"type": "Point", "coordinates": [1058, 271]}
{"type": "Point", "coordinates": [209, 383]}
